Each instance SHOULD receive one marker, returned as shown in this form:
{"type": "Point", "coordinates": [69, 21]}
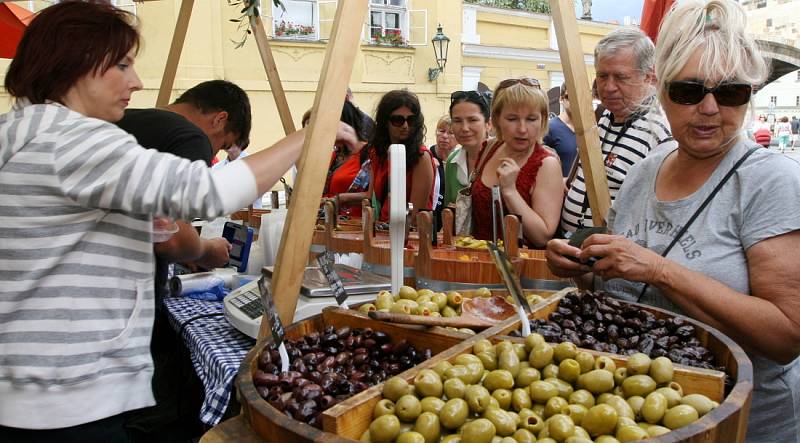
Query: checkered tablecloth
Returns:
{"type": "Point", "coordinates": [216, 347]}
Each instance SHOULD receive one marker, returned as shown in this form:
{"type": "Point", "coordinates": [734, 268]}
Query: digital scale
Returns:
{"type": "Point", "coordinates": [243, 307]}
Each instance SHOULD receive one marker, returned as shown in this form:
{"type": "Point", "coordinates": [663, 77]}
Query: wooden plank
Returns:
{"type": "Point", "coordinates": [272, 74]}
{"type": "Point", "coordinates": [175, 49]}
{"type": "Point", "coordinates": [302, 215]}
{"type": "Point", "coordinates": [588, 138]}
{"type": "Point", "coordinates": [235, 429]}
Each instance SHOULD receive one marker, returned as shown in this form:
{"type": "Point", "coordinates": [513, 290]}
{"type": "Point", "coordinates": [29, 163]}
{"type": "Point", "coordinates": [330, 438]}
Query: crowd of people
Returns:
{"type": "Point", "coordinates": [82, 313]}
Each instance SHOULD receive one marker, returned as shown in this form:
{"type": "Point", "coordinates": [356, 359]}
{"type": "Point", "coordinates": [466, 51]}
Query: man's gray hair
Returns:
{"type": "Point", "coordinates": [628, 38]}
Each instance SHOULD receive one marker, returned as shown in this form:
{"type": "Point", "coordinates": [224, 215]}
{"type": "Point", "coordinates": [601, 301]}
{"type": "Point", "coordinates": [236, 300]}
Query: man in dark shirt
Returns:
{"type": "Point", "coordinates": [561, 134]}
{"type": "Point", "coordinates": [795, 130]}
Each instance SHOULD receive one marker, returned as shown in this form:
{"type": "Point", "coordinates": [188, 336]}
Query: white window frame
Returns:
{"type": "Point", "coordinates": [387, 8]}
{"type": "Point", "coordinates": [278, 14]}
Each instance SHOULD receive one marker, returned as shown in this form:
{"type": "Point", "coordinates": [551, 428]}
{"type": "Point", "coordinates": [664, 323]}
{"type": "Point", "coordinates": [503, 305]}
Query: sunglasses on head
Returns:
{"type": "Point", "coordinates": [532, 82]}
{"type": "Point", "coordinates": [473, 96]}
{"type": "Point", "coordinates": [398, 120]}
{"type": "Point", "coordinates": [692, 93]}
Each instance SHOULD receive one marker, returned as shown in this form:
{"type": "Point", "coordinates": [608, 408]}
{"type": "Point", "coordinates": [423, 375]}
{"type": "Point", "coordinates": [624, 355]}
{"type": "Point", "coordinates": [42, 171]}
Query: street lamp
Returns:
{"type": "Point", "coordinates": [440, 44]}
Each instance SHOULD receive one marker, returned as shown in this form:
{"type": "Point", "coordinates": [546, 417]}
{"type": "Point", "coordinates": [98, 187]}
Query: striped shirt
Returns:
{"type": "Point", "coordinates": [622, 146]}
{"type": "Point", "coordinates": [76, 261]}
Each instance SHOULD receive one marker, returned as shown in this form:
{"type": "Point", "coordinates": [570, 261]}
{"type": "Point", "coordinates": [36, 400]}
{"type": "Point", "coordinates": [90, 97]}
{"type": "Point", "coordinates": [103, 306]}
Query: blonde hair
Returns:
{"type": "Point", "coordinates": [718, 28]}
{"type": "Point", "coordinates": [518, 95]}
{"type": "Point", "coordinates": [444, 120]}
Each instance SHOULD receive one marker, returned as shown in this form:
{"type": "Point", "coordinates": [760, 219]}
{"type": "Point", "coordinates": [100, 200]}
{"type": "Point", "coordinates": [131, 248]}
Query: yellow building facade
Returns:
{"type": "Point", "coordinates": [486, 45]}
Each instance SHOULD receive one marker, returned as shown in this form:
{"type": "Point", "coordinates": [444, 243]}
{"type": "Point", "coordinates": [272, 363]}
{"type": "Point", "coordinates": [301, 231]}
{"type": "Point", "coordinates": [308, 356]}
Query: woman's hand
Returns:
{"type": "Point", "coordinates": [620, 257]}
{"type": "Point", "coordinates": [507, 172]}
{"type": "Point", "coordinates": [556, 254]}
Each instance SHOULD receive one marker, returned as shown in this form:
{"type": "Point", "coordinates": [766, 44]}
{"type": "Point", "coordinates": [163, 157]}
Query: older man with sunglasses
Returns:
{"type": "Point", "coordinates": [628, 129]}
{"type": "Point", "coordinates": [710, 229]}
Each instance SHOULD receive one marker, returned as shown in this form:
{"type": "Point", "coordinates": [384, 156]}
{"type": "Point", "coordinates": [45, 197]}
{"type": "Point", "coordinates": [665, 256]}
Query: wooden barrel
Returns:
{"type": "Point", "coordinates": [378, 250]}
{"type": "Point", "coordinates": [342, 237]}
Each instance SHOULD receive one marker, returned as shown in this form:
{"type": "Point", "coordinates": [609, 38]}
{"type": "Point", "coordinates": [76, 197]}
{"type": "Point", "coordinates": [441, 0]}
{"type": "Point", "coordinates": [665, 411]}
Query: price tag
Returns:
{"type": "Point", "coordinates": [337, 287]}
{"type": "Point", "coordinates": [269, 310]}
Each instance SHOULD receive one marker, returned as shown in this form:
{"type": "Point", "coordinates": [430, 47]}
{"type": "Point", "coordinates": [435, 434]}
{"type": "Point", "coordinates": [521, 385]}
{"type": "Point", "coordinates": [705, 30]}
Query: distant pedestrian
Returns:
{"type": "Point", "coordinates": [795, 123]}
{"type": "Point", "coordinates": [783, 130]}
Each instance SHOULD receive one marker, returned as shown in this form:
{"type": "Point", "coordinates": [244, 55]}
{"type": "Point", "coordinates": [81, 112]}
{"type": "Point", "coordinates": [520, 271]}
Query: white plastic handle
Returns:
{"type": "Point", "coordinates": [397, 211]}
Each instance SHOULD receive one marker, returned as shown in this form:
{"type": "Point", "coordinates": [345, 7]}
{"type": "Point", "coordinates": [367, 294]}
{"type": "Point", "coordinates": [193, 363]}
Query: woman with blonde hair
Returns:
{"type": "Point", "coordinates": [727, 207]}
{"type": "Point", "coordinates": [528, 174]}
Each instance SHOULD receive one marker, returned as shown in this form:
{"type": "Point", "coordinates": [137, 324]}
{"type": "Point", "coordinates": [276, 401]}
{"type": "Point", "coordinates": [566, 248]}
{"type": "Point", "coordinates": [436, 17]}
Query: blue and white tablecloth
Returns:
{"type": "Point", "coordinates": [216, 347]}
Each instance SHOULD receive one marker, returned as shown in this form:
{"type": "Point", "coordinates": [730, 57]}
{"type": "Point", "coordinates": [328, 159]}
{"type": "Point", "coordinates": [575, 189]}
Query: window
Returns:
{"type": "Point", "coordinates": [797, 101]}
{"type": "Point", "coordinates": [388, 22]}
{"type": "Point", "coordinates": [761, 4]}
{"type": "Point", "coordinates": [298, 21]}
{"type": "Point", "coordinates": [773, 99]}
{"type": "Point", "coordinates": [798, 76]}
{"type": "Point", "coordinates": [769, 22]}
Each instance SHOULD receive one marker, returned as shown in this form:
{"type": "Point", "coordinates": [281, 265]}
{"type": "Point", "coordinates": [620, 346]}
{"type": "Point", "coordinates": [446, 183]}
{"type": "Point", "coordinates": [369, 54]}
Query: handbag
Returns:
{"type": "Point", "coordinates": [464, 198]}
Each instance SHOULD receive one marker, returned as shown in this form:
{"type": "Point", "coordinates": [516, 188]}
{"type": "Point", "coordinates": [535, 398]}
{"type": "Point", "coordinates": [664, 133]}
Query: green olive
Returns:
{"type": "Point", "coordinates": [624, 421]}
{"type": "Point", "coordinates": [603, 397]}
{"type": "Point", "coordinates": [600, 419]}
{"type": "Point", "coordinates": [577, 439]}
{"type": "Point", "coordinates": [586, 361]}
{"type": "Point", "coordinates": [441, 367]}
{"type": "Point", "coordinates": [509, 361]}
{"type": "Point", "coordinates": [636, 402]}
{"type": "Point", "coordinates": [620, 375]}
{"type": "Point", "coordinates": [452, 438]}
{"type": "Point", "coordinates": [395, 387]}
{"type": "Point", "coordinates": [475, 372]}
{"type": "Point", "coordinates": [457, 371]}
{"type": "Point", "coordinates": [478, 431]}
{"type": "Point", "coordinates": [504, 440]}
{"type": "Point", "coordinates": [440, 299]}
{"type": "Point", "coordinates": [564, 388]}
{"type": "Point", "coordinates": [654, 407]}
{"type": "Point", "coordinates": [482, 292]}
{"type": "Point", "coordinates": [638, 364]}
{"type": "Point", "coordinates": [597, 381]}
{"type": "Point", "coordinates": [538, 409]}
{"type": "Point", "coordinates": [580, 432]}
{"type": "Point", "coordinates": [447, 311]}
{"type": "Point", "coordinates": [533, 423]}
{"type": "Point", "coordinates": [515, 416]}
{"type": "Point", "coordinates": [569, 370]}
{"type": "Point", "coordinates": [488, 359]}
{"type": "Point", "coordinates": [503, 423]}
{"type": "Point", "coordinates": [541, 356]}
{"type": "Point", "coordinates": [384, 300]}
{"type": "Point", "coordinates": [411, 304]}
{"type": "Point", "coordinates": [524, 436]}
{"type": "Point", "coordinates": [429, 305]}
{"type": "Point", "coordinates": [606, 439]}
{"type": "Point", "coordinates": [680, 416]}
{"type": "Point", "coordinates": [454, 299]}
{"type": "Point", "coordinates": [673, 397]}
{"type": "Point", "coordinates": [545, 438]}
{"type": "Point", "coordinates": [410, 437]}
{"type": "Point", "coordinates": [522, 354]}
{"type": "Point", "coordinates": [638, 385]}
{"type": "Point", "coordinates": [541, 391]}
{"type": "Point", "coordinates": [622, 407]}
{"type": "Point", "coordinates": [408, 293]}
{"type": "Point", "coordinates": [582, 397]}
{"type": "Point", "coordinates": [503, 398]}
{"type": "Point", "coordinates": [554, 406]}
{"type": "Point", "coordinates": [477, 398]}
{"type": "Point", "coordinates": [365, 438]}
{"type": "Point", "coordinates": [454, 413]}
{"type": "Point", "coordinates": [428, 426]}
{"type": "Point", "coordinates": [454, 388]}
{"type": "Point", "coordinates": [384, 429]}
{"type": "Point", "coordinates": [383, 407]}
{"type": "Point", "coordinates": [431, 404]}
{"type": "Point", "coordinates": [631, 433]}
{"type": "Point", "coordinates": [520, 399]}
{"type": "Point", "coordinates": [575, 411]}
{"type": "Point", "coordinates": [367, 308]}
{"type": "Point", "coordinates": [428, 383]}
{"type": "Point", "coordinates": [560, 427]}
{"type": "Point", "coordinates": [564, 350]}
{"type": "Point", "coordinates": [465, 359]}
{"type": "Point", "coordinates": [498, 379]}
{"type": "Point", "coordinates": [504, 345]}
{"type": "Point", "coordinates": [526, 376]}
{"type": "Point", "coordinates": [699, 402]}
{"type": "Point", "coordinates": [661, 370]}
{"type": "Point", "coordinates": [408, 408]}
{"type": "Point", "coordinates": [605, 363]}
{"type": "Point", "coordinates": [655, 431]}
{"type": "Point", "coordinates": [550, 371]}
{"type": "Point", "coordinates": [533, 340]}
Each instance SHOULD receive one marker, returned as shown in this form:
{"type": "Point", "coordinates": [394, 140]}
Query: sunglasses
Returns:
{"type": "Point", "coordinates": [473, 96]}
{"type": "Point", "coordinates": [398, 120]}
{"type": "Point", "coordinates": [532, 82]}
{"type": "Point", "coordinates": [692, 93]}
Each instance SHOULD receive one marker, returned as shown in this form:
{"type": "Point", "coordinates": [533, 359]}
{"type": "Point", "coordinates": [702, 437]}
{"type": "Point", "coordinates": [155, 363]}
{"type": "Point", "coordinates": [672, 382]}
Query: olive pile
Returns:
{"type": "Point", "coordinates": [328, 367]}
{"type": "Point", "coordinates": [515, 393]}
{"type": "Point", "coordinates": [593, 320]}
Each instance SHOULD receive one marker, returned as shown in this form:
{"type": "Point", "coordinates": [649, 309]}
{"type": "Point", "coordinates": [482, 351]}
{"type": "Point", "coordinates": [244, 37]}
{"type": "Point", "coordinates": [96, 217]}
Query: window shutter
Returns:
{"type": "Point", "coordinates": [417, 27]}
{"type": "Point", "coordinates": [327, 13]}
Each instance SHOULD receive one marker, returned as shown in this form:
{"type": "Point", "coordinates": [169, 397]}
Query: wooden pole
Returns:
{"type": "Point", "coordinates": [588, 138]}
{"type": "Point", "coordinates": [321, 135]}
{"type": "Point", "coordinates": [272, 74]}
{"type": "Point", "coordinates": [168, 79]}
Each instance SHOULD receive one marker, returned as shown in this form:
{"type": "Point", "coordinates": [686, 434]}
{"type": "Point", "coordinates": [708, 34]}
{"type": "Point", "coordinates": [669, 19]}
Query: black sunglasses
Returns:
{"type": "Point", "coordinates": [468, 95]}
{"type": "Point", "coordinates": [398, 120]}
{"type": "Point", "coordinates": [692, 93]}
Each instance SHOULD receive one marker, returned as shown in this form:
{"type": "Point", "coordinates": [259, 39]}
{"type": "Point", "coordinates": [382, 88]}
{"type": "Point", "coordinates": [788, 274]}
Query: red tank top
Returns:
{"type": "Point", "coordinates": [482, 195]}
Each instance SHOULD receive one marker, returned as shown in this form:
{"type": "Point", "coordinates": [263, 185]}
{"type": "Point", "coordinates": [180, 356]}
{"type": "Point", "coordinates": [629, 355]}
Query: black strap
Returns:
{"type": "Point", "coordinates": [701, 208]}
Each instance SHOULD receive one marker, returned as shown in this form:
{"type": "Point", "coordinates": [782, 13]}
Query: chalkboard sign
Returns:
{"type": "Point", "coordinates": [269, 310]}
{"type": "Point", "coordinates": [337, 287]}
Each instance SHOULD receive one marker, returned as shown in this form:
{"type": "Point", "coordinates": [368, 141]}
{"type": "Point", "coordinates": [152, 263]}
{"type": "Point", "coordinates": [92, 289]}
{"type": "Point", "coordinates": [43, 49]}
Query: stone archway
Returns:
{"type": "Point", "coordinates": [782, 58]}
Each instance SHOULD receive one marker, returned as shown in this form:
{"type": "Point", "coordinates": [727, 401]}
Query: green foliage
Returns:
{"type": "Point", "coordinates": [537, 6]}
{"type": "Point", "coordinates": [249, 8]}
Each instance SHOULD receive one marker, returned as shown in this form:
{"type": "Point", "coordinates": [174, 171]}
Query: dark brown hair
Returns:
{"type": "Point", "coordinates": [65, 42]}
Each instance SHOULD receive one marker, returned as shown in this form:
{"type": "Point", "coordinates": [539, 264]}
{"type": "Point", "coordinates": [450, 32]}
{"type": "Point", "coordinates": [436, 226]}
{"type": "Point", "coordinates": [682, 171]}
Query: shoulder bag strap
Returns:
{"type": "Point", "coordinates": [701, 208]}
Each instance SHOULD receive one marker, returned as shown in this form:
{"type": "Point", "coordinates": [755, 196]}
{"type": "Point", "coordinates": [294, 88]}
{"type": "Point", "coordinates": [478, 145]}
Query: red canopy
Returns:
{"type": "Point", "coordinates": [653, 11]}
{"type": "Point", "coordinates": [13, 20]}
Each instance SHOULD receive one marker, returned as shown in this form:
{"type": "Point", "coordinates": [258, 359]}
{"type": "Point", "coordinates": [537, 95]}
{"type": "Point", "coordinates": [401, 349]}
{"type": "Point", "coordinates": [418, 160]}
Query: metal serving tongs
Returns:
{"type": "Point", "coordinates": [506, 270]}
{"type": "Point", "coordinates": [497, 207]}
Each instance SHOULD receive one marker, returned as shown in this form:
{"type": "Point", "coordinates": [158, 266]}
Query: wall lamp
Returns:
{"type": "Point", "coordinates": [440, 43]}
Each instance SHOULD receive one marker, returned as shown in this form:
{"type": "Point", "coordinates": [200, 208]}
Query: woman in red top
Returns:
{"type": "Point", "coordinates": [528, 174]}
{"type": "Point", "coordinates": [399, 120]}
{"type": "Point", "coordinates": [346, 163]}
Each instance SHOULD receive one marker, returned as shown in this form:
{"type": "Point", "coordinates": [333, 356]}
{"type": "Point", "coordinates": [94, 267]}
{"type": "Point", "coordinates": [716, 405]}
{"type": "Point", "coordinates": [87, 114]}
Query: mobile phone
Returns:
{"type": "Point", "coordinates": [579, 236]}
